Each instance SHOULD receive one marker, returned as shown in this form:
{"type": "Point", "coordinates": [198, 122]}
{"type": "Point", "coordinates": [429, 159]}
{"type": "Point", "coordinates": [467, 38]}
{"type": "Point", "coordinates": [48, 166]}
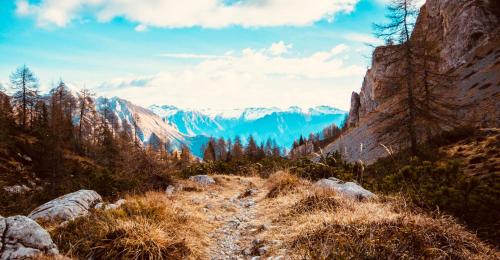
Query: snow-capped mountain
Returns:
{"type": "Point", "coordinates": [283, 125]}
{"type": "Point", "coordinates": [149, 125]}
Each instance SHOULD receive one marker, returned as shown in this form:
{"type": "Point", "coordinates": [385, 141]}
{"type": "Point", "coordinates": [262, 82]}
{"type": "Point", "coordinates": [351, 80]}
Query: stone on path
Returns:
{"type": "Point", "coordinates": [202, 179]}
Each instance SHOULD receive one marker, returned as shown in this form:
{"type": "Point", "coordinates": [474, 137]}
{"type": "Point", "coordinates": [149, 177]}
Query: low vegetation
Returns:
{"type": "Point", "coordinates": [281, 183]}
{"type": "Point", "coordinates": [322, 225]}
{"type": "Point", "coordinates": [145, 227]}
{"type": "Point", "coordinates": [445, 177]}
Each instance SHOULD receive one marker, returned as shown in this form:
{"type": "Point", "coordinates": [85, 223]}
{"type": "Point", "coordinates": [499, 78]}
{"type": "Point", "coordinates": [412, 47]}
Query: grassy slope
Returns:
{"type": "Point", "coordinates": [290, 217]}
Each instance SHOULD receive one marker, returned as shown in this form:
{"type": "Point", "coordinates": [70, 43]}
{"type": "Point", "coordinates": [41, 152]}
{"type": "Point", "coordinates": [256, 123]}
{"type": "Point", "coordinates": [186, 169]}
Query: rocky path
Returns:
{"type": "Point", "coordinates": [233, 213]}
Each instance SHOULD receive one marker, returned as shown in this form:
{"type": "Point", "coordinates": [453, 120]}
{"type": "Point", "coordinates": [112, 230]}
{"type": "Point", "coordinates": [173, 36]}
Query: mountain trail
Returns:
{"type": "Point", "coordinates": [231, 209]}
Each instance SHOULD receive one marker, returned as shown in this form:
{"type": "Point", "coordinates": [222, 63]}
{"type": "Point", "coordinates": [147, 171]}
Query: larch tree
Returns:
{"type": "Point", "coordinates": [401, 15]}
{"type": "Point", "coordinates": [237, 151]}
{"type": "Point", "coordinates": [25, 83]}
{"type": "Point", "coordinates": [86, 104]}
{"type": "Point", "coordinates": [209, 153]}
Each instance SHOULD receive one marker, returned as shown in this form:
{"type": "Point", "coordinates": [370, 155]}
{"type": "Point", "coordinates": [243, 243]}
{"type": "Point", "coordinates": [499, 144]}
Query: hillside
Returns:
{"type": "Point", "coordinates": [465, 35]}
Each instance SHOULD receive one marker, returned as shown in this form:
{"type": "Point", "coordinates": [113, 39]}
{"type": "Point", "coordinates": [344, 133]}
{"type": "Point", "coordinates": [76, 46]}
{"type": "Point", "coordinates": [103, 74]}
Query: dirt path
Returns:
{"type": "Point", "coordinates": [231, 207]}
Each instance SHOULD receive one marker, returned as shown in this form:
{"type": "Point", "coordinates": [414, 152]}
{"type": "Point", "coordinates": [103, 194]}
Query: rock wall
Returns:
{"type": "Point", "coordinates": [467, 37]}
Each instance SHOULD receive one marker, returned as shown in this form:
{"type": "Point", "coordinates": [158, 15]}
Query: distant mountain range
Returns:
{"type": "Point", "coordinates": [282, 125]}
{"type": "Point", "coordinates": [194, 127]}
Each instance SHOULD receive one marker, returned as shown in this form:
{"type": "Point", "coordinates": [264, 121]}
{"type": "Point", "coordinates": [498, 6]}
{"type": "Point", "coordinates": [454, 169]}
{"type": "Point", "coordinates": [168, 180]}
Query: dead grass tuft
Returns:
{"type": "Point", "coordinates": [320, 199]}
{"type": "Point", "coordinates": [403, 238]}
{"type": "Point", "coordinates": [281, 183]}
{"type": "Point", "coordinates": [146, 227]}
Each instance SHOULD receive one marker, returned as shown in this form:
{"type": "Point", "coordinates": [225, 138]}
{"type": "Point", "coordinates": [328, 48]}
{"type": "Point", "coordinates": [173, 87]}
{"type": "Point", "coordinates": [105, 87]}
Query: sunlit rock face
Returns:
{"type": "Point", "coordinates": [466, 35]}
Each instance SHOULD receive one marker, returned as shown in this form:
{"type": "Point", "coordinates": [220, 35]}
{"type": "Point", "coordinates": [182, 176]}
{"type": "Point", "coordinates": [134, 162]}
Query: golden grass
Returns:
{"type": "Point", "coordinates": [320, 199]}
{"type": "Point", "coordinates": [318, 224]}
{"type": "Point", "coordinates": [281, 183]}
{"type": "Point", "coordinates": [145, 227]}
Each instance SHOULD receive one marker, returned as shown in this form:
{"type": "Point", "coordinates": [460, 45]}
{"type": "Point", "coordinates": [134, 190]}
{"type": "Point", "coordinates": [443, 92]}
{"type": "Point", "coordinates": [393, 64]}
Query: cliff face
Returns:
{"type": "Point", "coordinates": [466, 35]}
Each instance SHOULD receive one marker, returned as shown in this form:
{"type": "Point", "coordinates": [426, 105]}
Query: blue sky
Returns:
{"type": "Point", "coordinates": [195, 53]}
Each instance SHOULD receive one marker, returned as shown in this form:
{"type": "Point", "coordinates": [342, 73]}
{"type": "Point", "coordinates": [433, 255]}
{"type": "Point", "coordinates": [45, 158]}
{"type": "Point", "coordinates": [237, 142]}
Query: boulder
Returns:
{"type": "Point", "coordinates": [348, 189]}
{"type": "Point", "coordinates": [202, 179]}
{"type": "Point", "coordinates": [109, 206]}
{"type": "Point", "coordinates": [170, 190]}
{"type": "Point", "coordinates": [23, 238]}
{"type": "Point", "coordinates": [67, 207]}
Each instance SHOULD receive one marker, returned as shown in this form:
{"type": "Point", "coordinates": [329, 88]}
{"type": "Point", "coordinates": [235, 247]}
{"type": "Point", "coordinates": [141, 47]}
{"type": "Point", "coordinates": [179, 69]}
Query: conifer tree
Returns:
{"type": "Point", "coordinates": [25, 82]}
{"type": "Point", "coordinates": [401, 15]}
{"type": "Point", "coordinates": [209, 154]}
{"type": "Point", "coordinates": [237, 151]}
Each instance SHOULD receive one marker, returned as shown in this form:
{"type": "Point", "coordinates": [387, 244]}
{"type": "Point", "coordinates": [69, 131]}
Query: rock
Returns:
{"type": "Point", "coordinates": [110, 206]}
{"type": "Point", "coordinates": [349, 189]}
{"type": "Point", "coordinates": [353, 118]}
{"type": "Point", "coordinates": [23, 238]}
{"type": "Point", "coordinates": [170, 190]}
{"type": "Point", "coordinates": [17, 189]}
{"type": "Point", "coordinates": [67, 207]}
{"type": "Point", "coordinates": [202, 179]}
{"type": "Point", "coordinates": [247, 251]}
{"type": "Point", "coordinates": [465, 35]}
{"type": "Point", "coordinates": [263, 250]}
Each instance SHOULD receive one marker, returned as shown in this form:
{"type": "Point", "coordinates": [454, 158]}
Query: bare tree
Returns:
{"type": "Point", "coordinates": [402, 15]}
{"type": "Point", "coordinates": [85, 102]}
{"type": "Point", "coordinates": [25, 82]}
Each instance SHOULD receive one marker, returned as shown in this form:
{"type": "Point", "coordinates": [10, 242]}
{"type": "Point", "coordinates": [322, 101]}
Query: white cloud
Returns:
{"type": "Point", "coordinates": [279, 48]}
{"type": "Point", "coordinates": [191, 56]}
{"type": "Point", "coordinates": [141, 28]}
{"type": "Point", "coordinates": [188, 13]}
{"type": "Point", "coordinates": [22, 7]}
{"type": "Point", "coordinates": [363, 38]}
{"type": "Point", "coordinates": [248, 78]}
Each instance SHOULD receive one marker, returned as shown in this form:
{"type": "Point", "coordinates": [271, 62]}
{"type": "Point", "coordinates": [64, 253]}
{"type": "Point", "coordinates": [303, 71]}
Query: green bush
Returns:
{"type": "Point", "coordinates": [443, 186]}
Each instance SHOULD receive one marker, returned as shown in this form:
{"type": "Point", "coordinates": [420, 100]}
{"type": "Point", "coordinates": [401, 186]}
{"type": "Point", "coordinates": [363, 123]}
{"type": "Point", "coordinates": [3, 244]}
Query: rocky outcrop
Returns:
{"type": "Point", "coordinates": [348, 189]}
{"type": "Point", "coordinates": [23, 238]}
{"type": "Point", "coordinates": [67, 207]}
{"type": "Point", "coordinates": [202, 179]}
{"type": "Point", "coordinates": [466, 36]}
{"type": "Point", "coordinates": [353, 118]}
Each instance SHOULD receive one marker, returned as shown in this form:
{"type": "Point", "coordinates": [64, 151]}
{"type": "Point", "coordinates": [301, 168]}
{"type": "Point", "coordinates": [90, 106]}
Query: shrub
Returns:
{"type": "Point", "coordinates": [146, 227]}
{"type": "Point", "coordinates": [401, 238]}
{"type": "Point", "coordinates": [444, 186]}
{"type": "Point", "coordinates": [321, 199]}
{"type": "Point", "coordinates": [281, 183]}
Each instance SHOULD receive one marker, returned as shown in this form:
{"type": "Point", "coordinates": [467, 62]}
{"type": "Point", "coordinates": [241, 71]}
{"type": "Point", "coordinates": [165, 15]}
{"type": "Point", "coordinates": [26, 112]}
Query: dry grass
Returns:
{"type": "Point", "coordinates": [319, 224]}
{"type": "Point", "coordinates": [146, 227]}
{"type": "Point", "coordinates": [281, 183]}
{"type": "Point", "coordinates": [320, 199]}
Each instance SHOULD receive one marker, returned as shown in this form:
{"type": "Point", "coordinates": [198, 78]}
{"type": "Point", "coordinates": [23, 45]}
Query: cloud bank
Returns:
{"type": "Point", "coordinates": [265, 77]}
{"type": "Point", "coordinates": [187, 13]}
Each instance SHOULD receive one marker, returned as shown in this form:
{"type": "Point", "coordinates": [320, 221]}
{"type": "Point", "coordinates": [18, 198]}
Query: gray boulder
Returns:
{"type": "Point", "coordinates": [202, 179]}
{"type": "Point", "coordinates": [348, 189]}
{"type": "Point", "coordinates": [109, 206]}
{"type": "Point", "coordinates": [67, 207]}
{"type": "Point", "coordinates": [23, 238]}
